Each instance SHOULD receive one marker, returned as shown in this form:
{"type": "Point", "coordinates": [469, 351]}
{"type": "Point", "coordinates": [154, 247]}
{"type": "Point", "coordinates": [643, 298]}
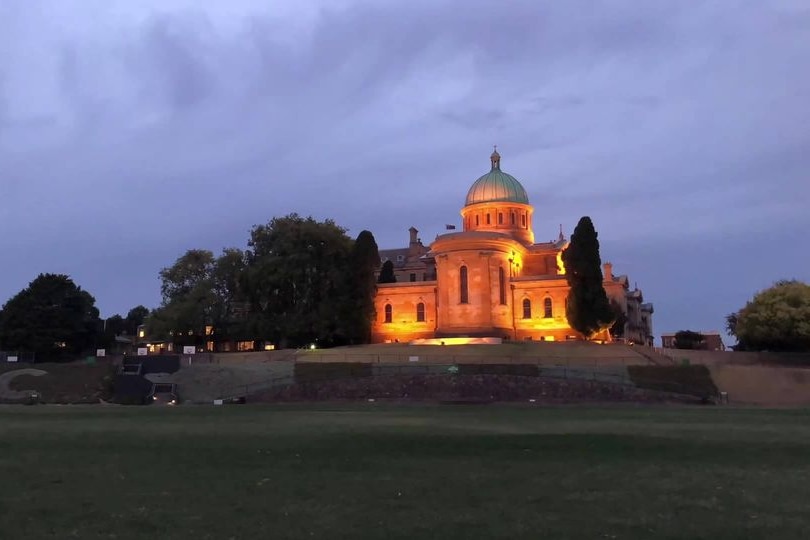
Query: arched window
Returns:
{"type": "Point", "coordinates": [500, 218]}
{"type": "Point", "coordinates": [389, 313]}
{"type": "Point", "coordinates": [488, 220]}
{"type": "Point", "coordinates": [513, 218]}
{"type": "Point", "coordinates": [523, 218]}
{"type": "Point", "coordinates": [527, 308]}
{"type": "Point", "coordinates": [502, 285]}
{"type": "Point", "coordinates": [462, 284]}
{"type": "Point", "coordinates": [476, 221]}
{"type": "Point", "coordinates": [420, 312]}
{"type": "Point", "coordinates": [547, 311]}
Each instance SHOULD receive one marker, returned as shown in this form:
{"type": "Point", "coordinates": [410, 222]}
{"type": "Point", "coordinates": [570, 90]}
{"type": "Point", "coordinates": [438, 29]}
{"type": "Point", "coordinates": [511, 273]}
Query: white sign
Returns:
{"type": "Point", "coordinates": [189, 349]}
{"type": "Point", "coordinates": [100, 353]}
{"type": "Point", "coordinates": [12, 358]}
{"type": "Point", "coordinates": [413, 359]}
{"type": "Point", "coordinates": [142, 351]}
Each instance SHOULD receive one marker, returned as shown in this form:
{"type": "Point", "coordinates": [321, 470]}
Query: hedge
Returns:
{"type": "Point", "coordinates": [693, 380]}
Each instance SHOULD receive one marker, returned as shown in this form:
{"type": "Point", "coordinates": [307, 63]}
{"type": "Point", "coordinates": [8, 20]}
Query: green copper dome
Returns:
{"type": "Point", "coordinates": [496, 186]}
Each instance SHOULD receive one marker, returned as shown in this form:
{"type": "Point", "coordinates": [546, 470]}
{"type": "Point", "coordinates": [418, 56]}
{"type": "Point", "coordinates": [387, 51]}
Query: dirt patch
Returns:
{"type": "Point", "coordinates": [9, 394]}
{"type": "Point", "coordinates": [61, 383]}
{"type": "Point", "coordinates": [764, 386]}
{"type": "Point", "coordinates": [206, 382]}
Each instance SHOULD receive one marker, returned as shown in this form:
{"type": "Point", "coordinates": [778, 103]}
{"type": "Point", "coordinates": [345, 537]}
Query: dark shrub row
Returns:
{"type": "Point", "coordinates": [690, 380]}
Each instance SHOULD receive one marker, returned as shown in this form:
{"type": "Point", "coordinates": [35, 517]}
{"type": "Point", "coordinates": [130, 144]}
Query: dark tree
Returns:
{"type": "Point", "coordinates": [687, 339]}
{"type": "Point", "coordinates": [364, 260]}
{"type": "Point", "coordinates": [617, 330]}
{"type": "Point", "coordinates": [199, 291]}
{"type": "Point", "coordinates": [387, 273]}
{"type": "Point", "coordinates": [52, 317]}
{"type": "Point", "coordinates": [588, 310]}
{"type": "Point", "coordinates": [731, 323]}
{"type": "Point", "coordinates": [134, 319]}
{"type": "Point", "coordinates": [776, 319]}
{"type": "Point", "coordinates": [189, 300]}
{"type": "Point", "coordinates": [296, 281]}
{"type": "Point", "coordinates": [111, 327]}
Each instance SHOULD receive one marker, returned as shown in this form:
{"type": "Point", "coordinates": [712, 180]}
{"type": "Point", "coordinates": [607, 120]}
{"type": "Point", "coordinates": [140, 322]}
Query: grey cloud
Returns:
{"type": "Point", "coordinates": [672, 125]}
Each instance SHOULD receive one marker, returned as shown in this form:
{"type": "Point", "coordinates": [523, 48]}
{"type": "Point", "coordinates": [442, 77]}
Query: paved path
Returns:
{"type": "Point", "coordinates": [6, 393]}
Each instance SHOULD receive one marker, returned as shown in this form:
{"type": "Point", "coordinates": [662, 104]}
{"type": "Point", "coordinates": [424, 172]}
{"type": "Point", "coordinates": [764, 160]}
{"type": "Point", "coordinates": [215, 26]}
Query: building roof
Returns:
{"type": "Point", "coordinates": [496, 186]}
{"type": "Point", "coordinates": [399, 257]}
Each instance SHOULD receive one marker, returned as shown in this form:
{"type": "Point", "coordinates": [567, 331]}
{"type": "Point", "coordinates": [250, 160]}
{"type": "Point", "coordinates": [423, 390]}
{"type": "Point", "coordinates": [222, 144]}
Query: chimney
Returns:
{"type": "Point", "coordinates": [608, 272]}
{"type": "Point", "coordinates": [414, 232]}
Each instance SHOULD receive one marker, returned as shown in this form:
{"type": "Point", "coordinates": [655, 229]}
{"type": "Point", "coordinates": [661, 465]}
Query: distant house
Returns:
{"type": "Point", "coordinates": [205, 341]}
{"type": "Point", "coordinates": [712, 341]}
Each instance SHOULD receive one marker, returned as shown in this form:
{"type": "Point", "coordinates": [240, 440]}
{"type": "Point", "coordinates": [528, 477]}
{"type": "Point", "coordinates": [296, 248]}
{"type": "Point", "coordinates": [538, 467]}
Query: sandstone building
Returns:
{"type": "Point", "coordinates": [491, 279]}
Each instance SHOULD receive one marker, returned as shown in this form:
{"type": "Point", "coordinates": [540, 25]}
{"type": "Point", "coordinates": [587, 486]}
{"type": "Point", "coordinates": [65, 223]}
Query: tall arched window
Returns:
{"type": "Point", "coordinates": [462, 284]}
{"type": "Point", "coordinates": [523, 218]}
{"type": "Point", "coordinates": [547, 311]}
{"type": "Point", "coordinates": [488, 220]}
{"type": "Point", "coordinates": [500, 218]}
{"type": "Point", "coordinates": [527, 308]}
{"type": "Point", "coordinates": [420, 312]}
{"type": "Point", "coordinates": [513, 218]}
{"type": "Point", "coordinates": [476, 221]}
{"type": "Point", "coordinates": [389, 313]}
{"type": "Point", "coordinates": [502, 285]}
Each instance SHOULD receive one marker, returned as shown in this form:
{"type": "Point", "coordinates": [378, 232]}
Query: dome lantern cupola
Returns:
{"type": "Point", "coordinates": [497, 202]}
{"type": "Point", "coordinates": [496, 186]}
{"type": "Point", "coordinates": [495, 158]}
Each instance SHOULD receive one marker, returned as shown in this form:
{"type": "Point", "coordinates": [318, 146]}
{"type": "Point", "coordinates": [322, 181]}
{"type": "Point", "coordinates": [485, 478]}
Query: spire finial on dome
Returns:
{"type": "Point", "coordinates": [495, 158]}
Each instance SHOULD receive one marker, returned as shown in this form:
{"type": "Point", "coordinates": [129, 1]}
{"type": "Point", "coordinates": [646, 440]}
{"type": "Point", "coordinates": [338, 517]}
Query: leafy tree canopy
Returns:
{"type": "Point", "coordinates": [296, 281]}
{"type": "Point", "coordinates": [199, 290]}
{"type": "Point", "coordinates": [776, 319]}
{"type": "Point", "coordinates": [52, 317]}
{"type": "Point", "coordinates": [588, 310]}
{"type": "Point", "coordinates": [135, 317]}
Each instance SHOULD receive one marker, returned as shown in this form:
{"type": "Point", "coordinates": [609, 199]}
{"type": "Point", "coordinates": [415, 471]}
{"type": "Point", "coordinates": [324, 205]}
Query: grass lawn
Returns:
{"type": "Point", "coordinates": [382, 471]}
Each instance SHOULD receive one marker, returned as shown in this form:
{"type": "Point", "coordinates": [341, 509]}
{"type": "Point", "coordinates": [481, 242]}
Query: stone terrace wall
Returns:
{"type": "Point", "coordinates": [466, 388]}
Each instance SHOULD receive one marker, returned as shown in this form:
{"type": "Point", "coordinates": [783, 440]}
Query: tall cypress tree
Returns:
{"type": "Point", "coordinates": [387, 273]}
{"type": "Point", "coordinates": [365, 259]}
{"type": "Point", "coordinates": [588, 309]}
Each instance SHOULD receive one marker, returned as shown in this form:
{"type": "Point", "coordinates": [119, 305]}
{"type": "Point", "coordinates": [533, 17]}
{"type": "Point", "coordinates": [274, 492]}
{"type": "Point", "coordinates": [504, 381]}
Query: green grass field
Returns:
{"type": "Point", "coordinates": [381, 471]}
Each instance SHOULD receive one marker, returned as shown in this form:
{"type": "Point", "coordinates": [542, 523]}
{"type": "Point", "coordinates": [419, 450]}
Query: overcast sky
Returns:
{"type": "Point", "coordinates": [131, 131]}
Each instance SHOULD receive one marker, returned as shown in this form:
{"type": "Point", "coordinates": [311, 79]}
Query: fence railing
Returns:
{"type": "Point", "coordinates": [22, 357]}
{"type": "Point", "coordinates": [595, 361]}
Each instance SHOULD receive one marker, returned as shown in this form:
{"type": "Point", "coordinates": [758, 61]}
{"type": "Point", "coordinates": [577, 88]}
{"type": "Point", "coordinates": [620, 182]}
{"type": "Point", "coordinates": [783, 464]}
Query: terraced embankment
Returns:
{"type": "Point", "coordinates": [55, 383]}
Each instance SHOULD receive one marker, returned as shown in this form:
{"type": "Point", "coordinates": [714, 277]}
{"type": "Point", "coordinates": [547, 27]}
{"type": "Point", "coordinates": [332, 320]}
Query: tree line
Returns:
{"type": "Point", "coordinates": [300, 281]}
{"type": "Point", "coordinates": [303, 281]}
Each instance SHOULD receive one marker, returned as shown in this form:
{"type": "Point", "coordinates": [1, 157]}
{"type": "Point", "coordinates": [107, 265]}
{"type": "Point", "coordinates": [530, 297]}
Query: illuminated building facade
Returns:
{"type": "Point", "coordinates": [491, 279]}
